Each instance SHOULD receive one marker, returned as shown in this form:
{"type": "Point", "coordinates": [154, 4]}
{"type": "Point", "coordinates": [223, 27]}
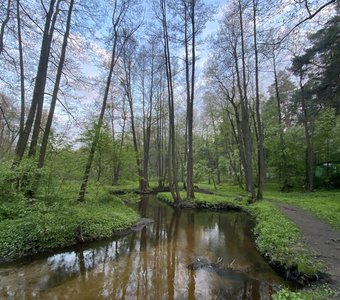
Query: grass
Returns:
{"type": "Point", "coordinates": [279, 240]}
{"type": "Point", "coordinates": [318, 293]}
{"type": "Point", "coordinates": [206, 200]}
{"type": "Point", "coordinates": [323, 204]}
{"type": "Point", "coordinates": [30, 227]}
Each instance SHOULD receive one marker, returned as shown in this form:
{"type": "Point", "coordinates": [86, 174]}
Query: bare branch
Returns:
{"type": "Point", "coordinates": [6, 121]}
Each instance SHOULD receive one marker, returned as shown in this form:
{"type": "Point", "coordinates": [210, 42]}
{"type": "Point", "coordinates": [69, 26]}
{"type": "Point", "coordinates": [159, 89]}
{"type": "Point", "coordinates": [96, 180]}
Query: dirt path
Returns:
{"type": "Point", "coordinates": [320, 237]}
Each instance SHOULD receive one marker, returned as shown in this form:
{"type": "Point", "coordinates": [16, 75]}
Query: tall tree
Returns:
{"type": "Point", "coordinates": [39, 87]}
{"type": "Point", "coordinates": [120, 17]}
{"type": "Point", "coordinates": [22, 70]}
{"type": "Point", "coordinates": [260, 136]}
{"type": "Point", "coordinates": [172, 153]}
{"type": "Point", "coordinates": [128, 58]}
{"type": "Point", "coordinates": [48, 125]}
{"type": "Point", "coordinates": [245, 114]}
{"type": "Point", "coordinates": [42, 84]}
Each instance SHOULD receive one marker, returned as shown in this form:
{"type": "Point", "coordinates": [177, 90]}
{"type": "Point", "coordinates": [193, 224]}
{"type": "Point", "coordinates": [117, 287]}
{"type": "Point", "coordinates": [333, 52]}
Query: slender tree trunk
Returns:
{"type": "Point", "coordinates": [117, 168]}
{"type": "Point", "coordinates": [188, 94]}
{"type": "Point", "coordinates": [101, 116]}
{"type": "Point", "coordinates": [237, 133]}
{"type": "Point", "coordinates": [41, 91]}
{"type": "Point", "coordinates": [247, 137]}
{"type": "Point", "coordinates": [148, 128]}
{"type": "Point", "coordinates": [160, 137]}
{"type": "Point", "coordinates": [283, 163]}
{"type": "Point", "coordinates": [22, 72]}
{"type": "Point", "coordinates": [172, 170]}
{"type": "Point", "coordinates": [309, 151]}
{"type": "Point", "coordinates": [39, 87]}
{"type": "Point", "coordinates": [260, 150]}
{"type": "Point", "coordinates": [190, 107]}
{"type": "Point", "coordinates": [216, 155]}
{"type": "Point", "coordinates": [242, 124]}
{"type": "Point", "coordinates": [3, 25]}
{"type": "Point", "coordinates": [44, 143]}
{"type": "Point", "coordinates": [128, 91]}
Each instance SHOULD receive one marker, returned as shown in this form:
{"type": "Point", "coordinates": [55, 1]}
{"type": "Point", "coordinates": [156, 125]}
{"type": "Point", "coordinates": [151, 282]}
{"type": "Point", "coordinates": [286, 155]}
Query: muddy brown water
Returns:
{"type": "Point", "coordinates": [152, 263]}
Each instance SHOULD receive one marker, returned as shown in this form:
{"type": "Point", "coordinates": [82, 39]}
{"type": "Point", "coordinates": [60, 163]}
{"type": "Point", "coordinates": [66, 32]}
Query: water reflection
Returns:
{"type": "Point", "coordinates": [152, 263]}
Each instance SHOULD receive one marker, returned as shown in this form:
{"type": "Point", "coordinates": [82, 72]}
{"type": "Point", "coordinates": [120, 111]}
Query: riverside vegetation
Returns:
{"type": "Point", "coordinates": [54, 219]}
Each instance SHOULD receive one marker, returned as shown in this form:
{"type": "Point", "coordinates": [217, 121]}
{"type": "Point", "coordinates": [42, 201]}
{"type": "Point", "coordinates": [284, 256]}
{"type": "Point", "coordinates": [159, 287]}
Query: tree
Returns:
{"type": "Point", "coordinates": [260, 137]}
{"type": "Point", "coordinates": [48, 125]}
{"type": "Point", "coordinates": [300, 71]}
{"type": "Point", "coordinates": [172, 160]}
{"type": "Point", "coordinates": [119, 22]}
{"type": "Point", "coordinates": [22, 70]}
{"type": "Point", "coordinates": [321, 63]}
{"type": "Point", "coordinates": [245, 113]}
{"type": "Point", "coordinates": [281, 90]}
{"type": "Point", "coordinates": [129, 62]}
{"type": "Point", "coordinates": [8, 124]}
{"type": "Point", "coordinates": [36, 107]}
{"type": "Point", "coordinates": [3, 25]}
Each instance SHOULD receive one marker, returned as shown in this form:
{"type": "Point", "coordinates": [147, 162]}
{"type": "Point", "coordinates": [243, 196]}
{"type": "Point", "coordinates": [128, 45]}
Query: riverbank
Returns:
{"type": "Point", "coordinates": [28, 228]}
{"type": "Point", "coordinates": [277, 238]}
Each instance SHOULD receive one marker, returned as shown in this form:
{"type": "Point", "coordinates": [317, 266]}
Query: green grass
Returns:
{"type": "Point", "coordinates": [318, 293]}
{"type": "Point", "coordinates": [279, 240]}
{"type": "Point", "coordinates": [208, 200]}
{"type": "Point", "coordinates": [323, 204]}
{"type": "Point", "coordinates": [31, 227]}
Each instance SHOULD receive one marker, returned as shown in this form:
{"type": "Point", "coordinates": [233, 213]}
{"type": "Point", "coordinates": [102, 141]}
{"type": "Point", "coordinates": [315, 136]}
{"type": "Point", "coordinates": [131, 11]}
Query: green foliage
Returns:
{"type": "Point", "coordinates": [208, 200]}
{"type": "Point", "coordinates": [319, 293]}
{"type": "Point", "coordinates": [327, 141]}
{"type": "Point", "coordinates": [279, 240]}
{"type": "Point", "coordinates": [201, 170]}
{"type": "Point", "coordinates": [109, 154]}
{"type": "Point", "coordinates": [218, 201]}
{"type": "Point", "coordinates": [292, 168]}
{"type": "Point", "coordinates": [40, 226]}
{"type": "Point", "coordinates": [325, 53]}
{"type": "Point", "coordinates": [166, 197]}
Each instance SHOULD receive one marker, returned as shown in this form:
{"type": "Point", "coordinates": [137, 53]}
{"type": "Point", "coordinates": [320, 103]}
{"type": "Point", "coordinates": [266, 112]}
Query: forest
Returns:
{"type": "Point", "coordinates": [225, 105]}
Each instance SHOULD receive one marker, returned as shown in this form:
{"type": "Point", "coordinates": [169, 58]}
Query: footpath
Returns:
{"type": "Point", "coordinates": [321, 238]}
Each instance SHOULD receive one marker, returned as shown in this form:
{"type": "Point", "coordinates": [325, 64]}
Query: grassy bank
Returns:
{"type": "Point", "coordinates": [39, 225]}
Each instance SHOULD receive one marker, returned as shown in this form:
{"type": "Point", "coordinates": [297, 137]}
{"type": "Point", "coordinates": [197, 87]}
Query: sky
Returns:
{"type": "Point", "coordinates": [266, 77]}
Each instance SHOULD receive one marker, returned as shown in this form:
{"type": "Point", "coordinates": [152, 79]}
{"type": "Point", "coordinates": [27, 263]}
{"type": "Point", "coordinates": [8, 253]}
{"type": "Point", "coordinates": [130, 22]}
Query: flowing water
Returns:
{"type": "Point", "coordinates": [152, 263]}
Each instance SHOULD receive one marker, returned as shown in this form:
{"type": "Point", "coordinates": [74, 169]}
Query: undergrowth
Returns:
{"type": "Point", "coordinates": [319, 293]}
{"type": "Point", "coordinates": [31, 227]}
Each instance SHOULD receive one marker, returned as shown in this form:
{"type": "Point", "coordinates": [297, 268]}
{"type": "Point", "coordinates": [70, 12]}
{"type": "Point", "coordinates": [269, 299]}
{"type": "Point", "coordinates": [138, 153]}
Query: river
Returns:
{"type": "Point", "coordinates": [152, 263]}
